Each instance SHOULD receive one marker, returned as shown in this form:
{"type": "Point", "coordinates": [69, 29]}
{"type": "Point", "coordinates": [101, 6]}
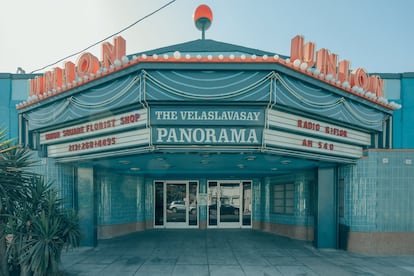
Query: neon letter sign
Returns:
{"type": "Point", "coordinates": [327, 63]}
{"type": "Point", "coordinates": [86, 64]}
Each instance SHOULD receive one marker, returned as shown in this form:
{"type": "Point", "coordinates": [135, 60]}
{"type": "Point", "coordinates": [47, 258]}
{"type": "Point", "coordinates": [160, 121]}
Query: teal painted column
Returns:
{"type": "Point", "coordinates": [326, 222]}
{"type": "Point", "coordinates": [87, 206]}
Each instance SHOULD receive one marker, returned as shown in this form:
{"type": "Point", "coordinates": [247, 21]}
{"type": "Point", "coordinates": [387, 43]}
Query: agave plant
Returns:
{"type": "Point", "coordinates": [13, 188]}
{"type": "Point", "coordinates": [51, 229]}
{"type": "Point", "coordinates": [34, 229]}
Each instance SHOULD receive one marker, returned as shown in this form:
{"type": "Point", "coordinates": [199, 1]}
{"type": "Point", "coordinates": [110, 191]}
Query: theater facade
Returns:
{"type": "Point", "coordinates": [207, 135]}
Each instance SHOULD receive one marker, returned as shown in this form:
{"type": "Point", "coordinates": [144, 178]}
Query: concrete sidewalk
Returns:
{"type": "Point", "coordinates": [223, 252]}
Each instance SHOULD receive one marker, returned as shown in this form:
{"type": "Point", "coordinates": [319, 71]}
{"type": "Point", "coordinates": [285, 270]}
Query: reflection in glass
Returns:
{"type": "Point", "coordinates": [247, 204]}
{"type": "Point", "coordinates": [212, 203]}
{"type": "Point", "coordinates": [229, 202]}
{"type": "Point", "coordinates": [176, 202]}
{"type": "Point", "coordinates": [159, 203]}
{"type": "Point", "coordinates": [192, 207]}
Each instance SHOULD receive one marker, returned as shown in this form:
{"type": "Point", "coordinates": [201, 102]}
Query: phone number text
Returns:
{"type": "Point", "coordinates": [99, 143]}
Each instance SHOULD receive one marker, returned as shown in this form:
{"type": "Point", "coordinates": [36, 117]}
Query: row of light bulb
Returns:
{"type": "Point", "coordinates": [118, 64]}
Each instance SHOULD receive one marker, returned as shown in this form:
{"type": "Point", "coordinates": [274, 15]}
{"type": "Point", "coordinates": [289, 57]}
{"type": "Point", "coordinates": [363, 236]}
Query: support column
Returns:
{"type": "Point", "coordinates": [326, 221]}
{"type": "Point", "coordinates": [202, 189]}
{"type": "Point", "coordinates": [87, 206]}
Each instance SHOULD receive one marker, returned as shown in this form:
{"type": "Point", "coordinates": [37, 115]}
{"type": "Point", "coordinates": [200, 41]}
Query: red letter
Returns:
{"type": "Point", "coordinates": [36, 86]}
{"type": "Point", "coordinates": [360, 78]}
{"type": "Point", "coordinates": [305, 53]}
{"type": "Point", "coordinates": [69, 72]}
{"type": "Point", "coordinates": [326, 62]}
{"type": "Point", "coordinates": [343, 70]}
{"type": "Point", "coordinates": [87, 64]}
{"type": "Point", "coordinates": [296, 48]}
{"type": "Point", "coordinates": [48, 81]}
{"type": "Point", "coordinates": [53, 79]}
{"type": "Point", "coordinates": [376, 85]}
{"type": "Point", "coordinates": [380, 87]}
{"type": "Point", "coordinates": [309, 54]}
{"type": "Point", "coordinates": [111, 53]}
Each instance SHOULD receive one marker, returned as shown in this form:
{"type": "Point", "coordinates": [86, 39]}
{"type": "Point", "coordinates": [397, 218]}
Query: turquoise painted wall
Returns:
{"type": "Point", "coordinates": [5, 95]}
{"type": "Point", "coordinates": [14, 89]}
{"type": "Point", "coordinates": [406, 114]}
{"type": "Point", "coordinates": [400, 89]}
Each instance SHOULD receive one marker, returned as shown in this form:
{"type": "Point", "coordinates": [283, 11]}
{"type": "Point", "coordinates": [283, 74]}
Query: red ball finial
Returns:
{"type": "Point", "coordinates": [203, 18]}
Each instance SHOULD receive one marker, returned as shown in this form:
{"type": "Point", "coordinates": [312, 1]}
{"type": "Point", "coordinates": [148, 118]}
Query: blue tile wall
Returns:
{"type": "Point", "coordinates": [64, 179]}
{"type": "Point", "coordinates": [303, 200]}
{"type": "Point", "coordinates": [149, 200]}
{"type": "Point", "coordinates": [379, 192]}
{"type": "Point", "coordinates": [258, 211]}
{"type": "Point", "coordinates": [120, 198]}
{"type": "Point", "coordinates": [61, 175]}
{"type": "Point", "coordinates": [86, 187]}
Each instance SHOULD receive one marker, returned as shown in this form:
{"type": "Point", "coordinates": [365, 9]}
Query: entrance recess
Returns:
{"type": "Point", "coordinates": [229, 204]}
{"type": "Point", "coordinates": [176, 204]}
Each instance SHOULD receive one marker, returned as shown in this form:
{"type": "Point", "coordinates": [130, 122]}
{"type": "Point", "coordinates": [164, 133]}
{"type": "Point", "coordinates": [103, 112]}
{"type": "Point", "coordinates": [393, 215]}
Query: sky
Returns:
{"type": "Point", "coordinates": [377, 35]}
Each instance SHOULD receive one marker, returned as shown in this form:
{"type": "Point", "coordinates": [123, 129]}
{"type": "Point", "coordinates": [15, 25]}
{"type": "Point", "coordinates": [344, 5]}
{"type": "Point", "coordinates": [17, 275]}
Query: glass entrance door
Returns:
{"type": "Point", "coordinates": [176, 204]}
{"type": "Point", "coordinates": [229, 204]}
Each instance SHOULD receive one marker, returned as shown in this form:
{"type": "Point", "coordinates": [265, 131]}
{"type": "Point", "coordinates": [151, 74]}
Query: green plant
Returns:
{"type": "Point", "coordinates": [41, 252]}
{"type": "Point", "coordinates": [48, 230]}
{"type": "Point", "coordinates": [13, 179]}
{"type": "Point", "coordinates": [34, 229]}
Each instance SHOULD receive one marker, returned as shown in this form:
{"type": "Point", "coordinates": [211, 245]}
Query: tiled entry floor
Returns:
{"type": "Point", "coordinates": [223, 252]}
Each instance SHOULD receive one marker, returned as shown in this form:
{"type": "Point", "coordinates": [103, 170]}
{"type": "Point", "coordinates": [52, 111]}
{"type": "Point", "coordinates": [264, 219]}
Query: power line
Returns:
{"type": "Point", "coordinates": [106, 38]}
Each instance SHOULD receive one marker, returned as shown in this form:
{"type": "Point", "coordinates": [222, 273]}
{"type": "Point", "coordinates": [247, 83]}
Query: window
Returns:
{"type": "Point", "coordinates": [283, 198]}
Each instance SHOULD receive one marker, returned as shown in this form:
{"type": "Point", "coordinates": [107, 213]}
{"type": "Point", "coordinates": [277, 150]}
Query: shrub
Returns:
{"type": "Point", "coordinates": [34, 229]}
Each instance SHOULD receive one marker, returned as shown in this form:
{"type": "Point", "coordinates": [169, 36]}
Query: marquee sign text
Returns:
{"type": "Point", "coordinates": [104, 125]}
{"type": "Point", "coordinates": [210, 115]}
{"type": "Point", "coordinates": [132, 138]}
{"type": "Point", "coordinates": [317, 127]}
{"type": "Point", "coordinates": [298, 142]}
{"type": "Point", "coordinates": [207, 136]}
{"type": "Point", "coordinates": [208, 126]}
{"type": "Point", "coordinates": [308, 126]}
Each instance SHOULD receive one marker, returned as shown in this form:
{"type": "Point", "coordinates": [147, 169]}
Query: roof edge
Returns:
{"type": "Point", "coordinates": [207, 46]}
